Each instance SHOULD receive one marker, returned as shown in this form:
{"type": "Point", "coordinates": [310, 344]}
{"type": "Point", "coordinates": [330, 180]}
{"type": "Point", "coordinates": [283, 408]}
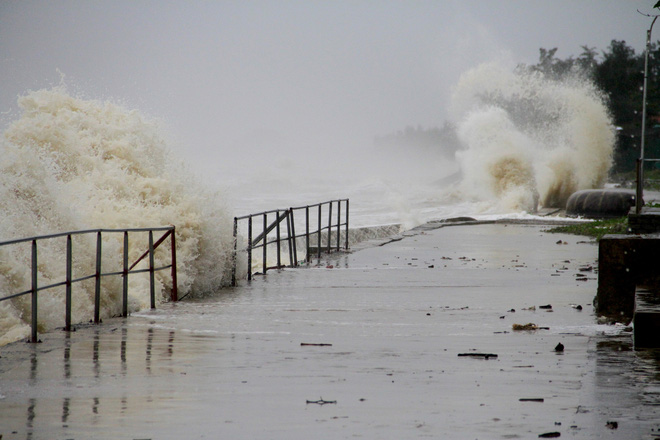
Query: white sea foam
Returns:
{"type": "Point", "coordinates": [530, 139]}
{"type": "Point", "coordinates": [71, 164]}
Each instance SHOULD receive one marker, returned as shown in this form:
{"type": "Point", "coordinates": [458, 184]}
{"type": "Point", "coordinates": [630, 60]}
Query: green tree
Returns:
{"type": "Point", "coordinates": [620, 76]}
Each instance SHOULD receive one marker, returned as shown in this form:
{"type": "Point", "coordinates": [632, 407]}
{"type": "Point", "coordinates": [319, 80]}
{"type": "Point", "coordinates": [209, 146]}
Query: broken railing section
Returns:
{"type": "Point", "coordinates": [325, 228]}
{"type": "Point", "coordinates": [69, 279]}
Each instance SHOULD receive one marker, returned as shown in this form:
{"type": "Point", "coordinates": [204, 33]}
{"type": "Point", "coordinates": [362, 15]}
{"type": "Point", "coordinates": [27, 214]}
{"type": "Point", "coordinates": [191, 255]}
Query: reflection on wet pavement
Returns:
{"type": "Point", "coordinates": [380, 333]}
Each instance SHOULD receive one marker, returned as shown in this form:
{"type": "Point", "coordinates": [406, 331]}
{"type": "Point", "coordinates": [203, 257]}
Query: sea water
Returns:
{"type": "Point", "coordinates": [69, 163]}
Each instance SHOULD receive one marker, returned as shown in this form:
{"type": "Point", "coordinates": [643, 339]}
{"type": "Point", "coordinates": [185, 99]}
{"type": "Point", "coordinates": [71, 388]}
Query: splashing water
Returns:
{"type": "Point", "coordinates": [70, 164]}
{"type": "Point", "coordinates": [529, 139]}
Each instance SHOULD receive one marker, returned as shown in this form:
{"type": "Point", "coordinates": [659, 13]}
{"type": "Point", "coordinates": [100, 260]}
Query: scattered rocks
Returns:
{"type": "Point", "coordinates": [547, 306]}
{"type": "Point", "coordinates": [612, 424]}
{"type": "Point", "coordinates": [559, 347]}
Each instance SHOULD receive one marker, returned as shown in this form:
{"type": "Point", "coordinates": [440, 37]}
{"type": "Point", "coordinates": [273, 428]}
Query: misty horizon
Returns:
{"type": "Point", "coordinates": [298, 78]}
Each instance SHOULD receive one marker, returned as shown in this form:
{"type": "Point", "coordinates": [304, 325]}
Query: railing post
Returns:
{"type": "Point", "coordinates": [639, 191]}
{"type": "Point", "coordinates": [264, 243]}
{"type": "Point", "coordinates": [277, 241]}
{"type": "Point", "coordinates": [338, 224]}
{"type": "Point", "coordinates": [125, 287]}
{"type": "Point", "coordinates": [152, 287]}
{"type": "Point", "coordinates": [347, 201]}
{"type": "Point", "coordinates": [97, 290]}
{"type": "Point", "coordinates": [233, 255]}
{"type": "Point", "coordinates": [329, 225]}
{"type": "Point", "coordinates": [293, 252]}
{"type": "Point", "coordinates": [34, 291]}
{"type": "Point", "coordinates": [319, 233]}
{"type": "Point", "coordinates": [249, 249]}
{"type": "Point", "coordinates": [174, 296]}
{"type": "Point", "coordinates": [69, 270]}
{"type": "Point", "coordinates": [288, 234]}
{"type": "Point", "coordinates": [307, 233]}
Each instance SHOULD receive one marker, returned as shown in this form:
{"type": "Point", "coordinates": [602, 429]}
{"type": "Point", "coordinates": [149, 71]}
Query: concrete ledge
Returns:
{"type": "Point", "coordinates": [646, 321]}
{"type": "Point", "coordinates": [625, 262]}
{"type": "Point", "coordinates": [646, 222]}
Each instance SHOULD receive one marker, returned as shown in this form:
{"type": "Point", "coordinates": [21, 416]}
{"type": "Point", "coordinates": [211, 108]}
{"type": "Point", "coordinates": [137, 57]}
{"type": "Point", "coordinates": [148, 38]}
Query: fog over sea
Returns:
{"type": "Point", "coordinates": [71, 163]}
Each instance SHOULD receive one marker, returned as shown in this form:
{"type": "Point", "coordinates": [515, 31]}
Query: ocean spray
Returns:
{"type": "Point", "coordinates": [70, 164]}
{"type": "Point", "coordinates": [530, 140]}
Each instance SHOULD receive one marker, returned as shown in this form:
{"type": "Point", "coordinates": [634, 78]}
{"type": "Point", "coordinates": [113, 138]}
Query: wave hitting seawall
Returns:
{"type": "Point", "coordinates": [70, 164]}
{"type": "Point", "coordinates": [530, 140]}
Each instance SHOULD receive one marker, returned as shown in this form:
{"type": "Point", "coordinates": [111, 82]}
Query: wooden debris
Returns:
{"type": "Point", "coordinates": [478, 355]}
{"type": "Point", "coordinates": [310, 344]}
{"type": "Point", "coordinates": [322, 402]}
{"type": "Point", "coordinates": [528, 326]}
{"type": "Point", "coordinates": [550, 435]}
{"type": "Point", "coordinates": [531, 399]}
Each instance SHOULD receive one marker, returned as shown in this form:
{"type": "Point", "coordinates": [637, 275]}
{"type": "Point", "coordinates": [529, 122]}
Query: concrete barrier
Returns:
{"type": "Point", "coordinates": [626, 262]}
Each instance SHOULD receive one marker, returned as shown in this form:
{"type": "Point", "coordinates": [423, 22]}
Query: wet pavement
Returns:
{"type": "Point", "coordinates": [387, 342]}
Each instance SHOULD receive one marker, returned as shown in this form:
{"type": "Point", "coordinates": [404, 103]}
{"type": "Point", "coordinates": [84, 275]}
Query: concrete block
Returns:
{"type": "Point", "coordinates": [625, 262]}
{"type": "Point", "coordinates": [646, 321]}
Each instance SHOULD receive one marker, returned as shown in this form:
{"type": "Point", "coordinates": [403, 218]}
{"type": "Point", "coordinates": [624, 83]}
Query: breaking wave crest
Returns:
{"type": "Point", "coordinates": [530, 140]}
{"type": "Point", "coordinates": [71, 164]}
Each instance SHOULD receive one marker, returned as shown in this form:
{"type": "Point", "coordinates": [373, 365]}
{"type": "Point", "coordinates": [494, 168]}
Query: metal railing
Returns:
{"type": "Point", "coordinates": [319, 215]}
{"type": "Point", "coordinates": [98, 273]}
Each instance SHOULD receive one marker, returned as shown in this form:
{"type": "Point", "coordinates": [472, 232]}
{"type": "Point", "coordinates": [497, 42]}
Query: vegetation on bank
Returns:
{"type": "Point", "coordinates": [595, 229]}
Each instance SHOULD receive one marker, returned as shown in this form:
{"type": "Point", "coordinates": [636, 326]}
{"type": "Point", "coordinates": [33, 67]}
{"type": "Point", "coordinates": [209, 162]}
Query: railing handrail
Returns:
{"type": "Point", "coordinates": [262, 241]}
{"type": "Point", "coordinates": [98, 274]}
{"type": "Point", "coordinates": [258, 214]}
{"type": "Point", "coordinates": [317, 204]}
{"type": "Point", "coordinates": [82, 232]}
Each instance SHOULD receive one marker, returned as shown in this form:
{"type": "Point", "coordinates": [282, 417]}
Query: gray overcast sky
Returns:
{"type": "Point", "coordinates": [229, 76]}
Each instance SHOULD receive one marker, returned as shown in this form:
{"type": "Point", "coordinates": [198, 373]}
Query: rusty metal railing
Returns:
{"type": "Point", "coordinates": [319, 216]}
{"type": "Point", "coordinates": [98, 274]}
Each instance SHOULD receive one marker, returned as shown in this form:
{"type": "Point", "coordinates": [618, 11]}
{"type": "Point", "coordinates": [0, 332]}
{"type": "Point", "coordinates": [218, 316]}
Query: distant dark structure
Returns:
{"type": "Point", "coordinates": [600, 203]}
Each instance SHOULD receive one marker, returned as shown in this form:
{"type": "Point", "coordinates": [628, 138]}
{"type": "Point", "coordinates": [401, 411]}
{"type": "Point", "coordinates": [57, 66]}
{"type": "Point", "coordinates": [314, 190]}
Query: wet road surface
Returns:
{"type": "Point", "coordinates": [386, 343]}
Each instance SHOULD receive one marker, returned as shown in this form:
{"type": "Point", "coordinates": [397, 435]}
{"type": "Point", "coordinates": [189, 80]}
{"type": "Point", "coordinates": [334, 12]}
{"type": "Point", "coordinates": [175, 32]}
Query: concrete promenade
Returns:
{"type": "Point", "coordinates": [386, 342]}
